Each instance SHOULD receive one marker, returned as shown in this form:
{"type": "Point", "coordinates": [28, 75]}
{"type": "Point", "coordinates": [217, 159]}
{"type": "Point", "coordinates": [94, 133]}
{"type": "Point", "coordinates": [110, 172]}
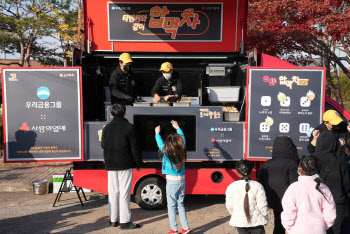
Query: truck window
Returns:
{"type": "Point", "coordinates": [329, 107]}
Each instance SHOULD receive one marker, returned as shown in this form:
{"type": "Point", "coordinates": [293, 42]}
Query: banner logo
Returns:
{"type": "Point", "coordinates": [43, 93]}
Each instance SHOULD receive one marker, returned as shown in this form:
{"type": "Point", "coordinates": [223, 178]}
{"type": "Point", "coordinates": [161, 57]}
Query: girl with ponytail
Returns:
{"type": "Point", "coordinates": [308, 205]}
{"type": "Point", "coordinates": [248, 216]}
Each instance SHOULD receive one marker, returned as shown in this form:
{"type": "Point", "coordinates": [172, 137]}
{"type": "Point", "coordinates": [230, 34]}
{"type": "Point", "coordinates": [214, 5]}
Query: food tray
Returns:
{"type": "Point", "coordinates": [181, 104]}
{"type": "Point", "coordinates": [231, 116]}
{"type": "Point", "coordinates": [161, 104]}
{"type": "Point", "coordinates": [142, 104]}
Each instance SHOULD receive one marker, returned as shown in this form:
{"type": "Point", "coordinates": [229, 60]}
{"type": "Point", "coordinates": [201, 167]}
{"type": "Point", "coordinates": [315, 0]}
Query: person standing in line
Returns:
{"type": "Point", "coordinates": [347, 151]}
{"type": "Point", "coordinates": [121, 154]}
{"type": "Point", "coordinates": [246, 202]}
{"type": "Point", "coordinates": [335, 173]}
{"type": "Point", "coordinates": [277, 174]}
{"type": "Point", "coordinates": [122, 83]}
{"type": "Point", "coordinates": [173, 154]}
{"type": "Point", "coordinates": [334, 123]}
{"type": "Point", "coordinates": [308, 204]}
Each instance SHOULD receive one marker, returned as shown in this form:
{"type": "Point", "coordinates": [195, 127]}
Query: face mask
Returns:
{"type": "Point", "coordinates": [167, 75]}
{"type": "Point", "coordinates": [127, 68]}
{"type": "Point", "coordinates": [336, 127]}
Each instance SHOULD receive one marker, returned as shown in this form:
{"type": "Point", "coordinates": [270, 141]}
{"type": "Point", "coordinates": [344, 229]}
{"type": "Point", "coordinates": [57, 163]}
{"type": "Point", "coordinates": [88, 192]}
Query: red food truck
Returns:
{"type": "Point", "coordinates": [233, 106]}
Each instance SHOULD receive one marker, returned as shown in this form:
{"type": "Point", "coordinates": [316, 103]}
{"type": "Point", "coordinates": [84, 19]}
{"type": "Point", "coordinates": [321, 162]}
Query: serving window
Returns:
{"type": "Point", "coordinates": [145, 125]}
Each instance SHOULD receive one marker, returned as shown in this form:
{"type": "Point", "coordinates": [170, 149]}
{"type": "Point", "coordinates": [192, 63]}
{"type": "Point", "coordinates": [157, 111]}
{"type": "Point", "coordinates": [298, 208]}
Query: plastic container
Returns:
{"type": "Point", "coordinates": [41, 187]}
{"type": "Point", "coordinates": [223, 93]}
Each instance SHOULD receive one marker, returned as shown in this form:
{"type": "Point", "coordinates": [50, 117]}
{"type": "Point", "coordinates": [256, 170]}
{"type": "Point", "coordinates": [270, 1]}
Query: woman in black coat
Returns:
{"type": "Point", "coordinates": [337, 178]}
{"type": "Point", "coordinates": [277, 174]}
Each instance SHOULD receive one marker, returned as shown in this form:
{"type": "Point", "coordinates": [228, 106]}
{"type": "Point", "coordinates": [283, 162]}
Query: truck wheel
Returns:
{"type": "Point", "coordinates": [150, 194]}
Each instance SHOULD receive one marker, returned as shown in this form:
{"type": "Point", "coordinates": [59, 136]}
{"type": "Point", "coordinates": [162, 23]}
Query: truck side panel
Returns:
{"type": "Point", "coordinates": [198, 181]}
{"type": "Point", "coordinates": [233, 29]}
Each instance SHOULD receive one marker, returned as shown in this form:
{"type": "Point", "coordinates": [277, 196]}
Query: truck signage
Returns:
{"type": "Point", "coordinates": [42, 114]}
{"type": "Point", "coordinates": [282, 102]}
{"type": "Point", "coordinates": [165, 21]}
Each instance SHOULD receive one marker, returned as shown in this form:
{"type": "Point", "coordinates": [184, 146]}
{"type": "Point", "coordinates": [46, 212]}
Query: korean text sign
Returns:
{"type": "Point", "coordinates": [42, 113]}
{"type": "Point", "coordinates": [282, 102]}
{"type": "Point", "coordinates": [165, 21]}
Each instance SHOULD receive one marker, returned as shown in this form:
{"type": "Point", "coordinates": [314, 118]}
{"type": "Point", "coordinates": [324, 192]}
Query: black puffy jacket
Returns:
{"type": "Point", "coordinates": [338, 179]}
{"type": "Point", "coordinates": [342, 133]}
{"type": "Point", "coordinates": [119, 143]}
{"type": "Point", "coordinates": [279, 172]}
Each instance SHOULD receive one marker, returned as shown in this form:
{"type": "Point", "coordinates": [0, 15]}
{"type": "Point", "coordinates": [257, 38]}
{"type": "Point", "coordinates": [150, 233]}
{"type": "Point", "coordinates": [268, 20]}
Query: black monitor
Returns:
{"type": "Point", "coordinates": [145, 125]}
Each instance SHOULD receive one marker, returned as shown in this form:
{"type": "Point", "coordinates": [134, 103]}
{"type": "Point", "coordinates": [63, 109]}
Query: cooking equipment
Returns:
{"type": "Point", "coordinates": [223, 93]}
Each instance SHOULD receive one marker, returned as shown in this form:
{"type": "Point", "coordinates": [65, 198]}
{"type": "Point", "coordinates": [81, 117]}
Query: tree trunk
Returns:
{"type": "Point", "coordinates": [337, 92]}
{"type": "Point", "coordinates": [21, 58]}
{"type": "Point", "coordinates": [65, 61]}
{"type": "Point", "coordinates": [28, 55]}
{"type": "Point", "coordinates": [334, 88]}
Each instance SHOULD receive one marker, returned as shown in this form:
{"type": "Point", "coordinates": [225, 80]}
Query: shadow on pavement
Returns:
{"type": "Point", "coordinates": [70, 217]}
{"type": "Point", "coordinates": [212, 224]}
{"type": "Point", "coordinates": [58, 217]}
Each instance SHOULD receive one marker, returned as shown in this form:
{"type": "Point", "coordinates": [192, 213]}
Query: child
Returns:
{"type": "Point", "coordinates": [308, 205]}
{"type": "Point", "coordinates": [173, 166]}
{"type": "Point", "coordinates": [246, 202]}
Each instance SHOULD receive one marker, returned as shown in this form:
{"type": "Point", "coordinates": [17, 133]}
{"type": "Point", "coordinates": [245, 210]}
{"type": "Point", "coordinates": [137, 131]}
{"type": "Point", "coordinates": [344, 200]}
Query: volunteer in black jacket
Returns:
{"type": "Point", "coordinates": [337, 179]}
{"type": "Point", "coordinates": [122, 82]}
{"type": "Point", "coordinates": [332, 122]}
{"type": "Point", "coordinates": [169, 86]}
{"type": "Point", "coordinates": [277, 174]}
{"type": "Point", "coordinates": [121, 154]}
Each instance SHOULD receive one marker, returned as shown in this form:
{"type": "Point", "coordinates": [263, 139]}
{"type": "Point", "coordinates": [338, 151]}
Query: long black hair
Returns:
{"type": "Point", "coordinates": [175, 150]}
{"type": "Point", "coordinates": [311, 166]}
{"type": "Point", "coordinates": [244, 168]}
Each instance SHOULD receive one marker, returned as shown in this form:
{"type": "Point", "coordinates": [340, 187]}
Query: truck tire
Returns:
{"type": "Point", "coordinates": [151, 194]}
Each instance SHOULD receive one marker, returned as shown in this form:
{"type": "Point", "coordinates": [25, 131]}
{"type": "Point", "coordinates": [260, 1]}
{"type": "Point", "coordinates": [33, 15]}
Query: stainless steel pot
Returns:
{"type": "Point", "coordinates": [41, 187]}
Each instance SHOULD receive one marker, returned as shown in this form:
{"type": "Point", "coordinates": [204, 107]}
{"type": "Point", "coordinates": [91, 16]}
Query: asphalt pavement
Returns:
{"type": "Point", "coordinates": [23, 212]}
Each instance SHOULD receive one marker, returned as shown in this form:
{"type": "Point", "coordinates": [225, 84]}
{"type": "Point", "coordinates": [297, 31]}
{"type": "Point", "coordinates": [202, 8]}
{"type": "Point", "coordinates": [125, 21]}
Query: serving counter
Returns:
{"type": "Point", "coordinates": [208, 136]}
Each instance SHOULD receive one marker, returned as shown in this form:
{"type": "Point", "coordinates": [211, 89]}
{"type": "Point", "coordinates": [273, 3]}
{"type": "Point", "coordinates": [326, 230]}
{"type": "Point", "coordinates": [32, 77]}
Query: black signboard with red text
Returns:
{"type": "Point", "coordinates": [42, 114]}
{"type": "Point", "coordinates": [282, 102]}
{"type": "Point", "coordinates": [165, 22]}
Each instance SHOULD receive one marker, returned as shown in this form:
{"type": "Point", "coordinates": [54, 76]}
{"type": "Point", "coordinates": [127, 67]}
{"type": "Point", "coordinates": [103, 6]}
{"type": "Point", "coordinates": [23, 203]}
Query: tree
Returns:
{"type": "Point", "coordinates": [302, 30]}
{"type": "Point", "coordinates": [64, 20]}
{"type": "Point", "coordinates": [23, 23]}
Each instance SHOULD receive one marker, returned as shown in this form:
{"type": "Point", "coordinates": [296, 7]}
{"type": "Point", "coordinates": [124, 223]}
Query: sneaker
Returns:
{"type": "Point", "coordinates": [113, 224]}
{"type": "Point", "coordinates": [185, 231]}
{"type": "Point", "coordinates": [173, 232]}
{"type": "Point", "coordinates": [129, 225]}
